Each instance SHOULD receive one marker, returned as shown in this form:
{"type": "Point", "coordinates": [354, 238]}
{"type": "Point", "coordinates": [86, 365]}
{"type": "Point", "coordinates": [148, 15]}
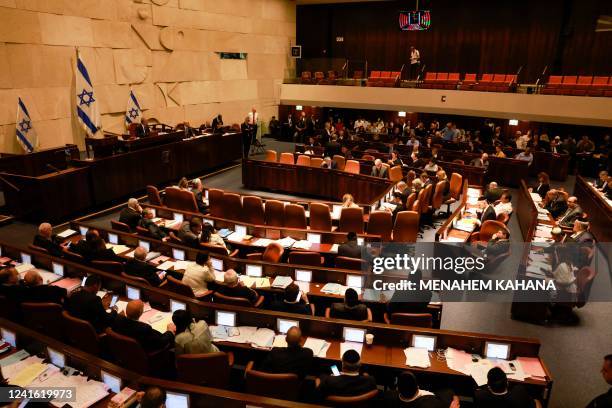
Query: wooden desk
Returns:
{"type": "Point", "coordinates": [154, 139]}
{"type": "Point", "coordinates": [40, 162]}
{"type": "Point", "coordinates": [597, 207]}
{"type": "Point", "coordinates": [301, 180]}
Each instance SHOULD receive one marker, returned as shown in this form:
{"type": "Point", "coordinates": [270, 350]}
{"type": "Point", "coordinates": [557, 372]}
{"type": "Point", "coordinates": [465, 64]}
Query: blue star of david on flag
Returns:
{"type": "Point", "coordinates": [25, 125]}
{"type": "Point", "coordinates": [24, 131]}
{"type": "Point", "coordinates": [86, 98]}
{"type": "Point", "coordinates": [86, 105]}
{"type": "Point", "coordinates": [133, 113]}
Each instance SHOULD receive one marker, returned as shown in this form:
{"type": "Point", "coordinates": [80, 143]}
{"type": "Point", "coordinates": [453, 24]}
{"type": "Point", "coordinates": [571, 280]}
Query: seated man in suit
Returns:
{"type": "Point", "coordinates": [526, 156]}
{"type": "Point", "coordinates": [293, 359]}
{"type": "Point", "coordinates": [410, 301]}
{"type": "Point", "coordinates": [9, 284]}
{"type": "Point", "coordinates": [142, 129]}
{"type": "Point", "coordinates": [189, 232]}
{"type": "Point", "coordinates": [602, 181]}
{"type": "Point", "coordinates": [38, 292]}
{"type": "Point", "coordinates": [293, 301]}
{"type": "Point", "coordinates": [495, 394]}
{"type": "Point", "coordinates": [488, 212]}
{"type": "Point", "coordinates": [494, 192]}
{"type": "Point", "coordinates": [482, 161]}
{"type": "Point", "coordinates": [604, 400]}
{"type": "Point", "coordinates": [328, 163]}
{"type": "Point", "coordinates": [132, 214]}
{"type": "Point", "coordinates": [349, 383]}
{"type": "Point", "coordinates": [498, 244]}
{"type": "Point", "coordinates": [580, 233]}
{"type": "Point", "coordinates": [572, 213]}
{"type": "Point", "coordinates": [197, 190]}
{"type": "Point", "coordinates": [556, 203]}
{"type": "Point", "coordinates": [409, 395]}
{"type": "Point", "coordinates": [147, 222]}
{"type": "Point", "coordinates": [139, 267]}
{"type": "Point", "coordinates": [351, 308]}
{"type": "Point", "coordinates": [505, 204]}
{"type": "Point", "coordinates": [149, 338]}
{"type": "Point", "coordinates": [85, 246]}
{"type": "Point", "coordinates": [99, 252]}
{"type": "Point", "coordinates": [46, 240]}
{"type": "Point", "coordinates": [378, 170]}
{"type": "Point", "coordinates": [84, 304]}
{"type": "Point", "coordinates": [350, 248]}
{"type": "Point", "coordinates": [233, 287]}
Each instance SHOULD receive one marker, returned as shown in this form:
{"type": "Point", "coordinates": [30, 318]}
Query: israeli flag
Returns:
{"type": "Point", "coordinates": [133, 113]}
{"type": "Point", "coordinates": [86, 104]}
{"type": "Point", "coordinates": [26, 135]}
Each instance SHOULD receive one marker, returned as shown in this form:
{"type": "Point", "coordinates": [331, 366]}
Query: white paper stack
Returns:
{"type": "Point", "coordinates": [286, 242]}
{"type": "Point", "coordinates": [66, 233]}
{"type": "Point", "coordinates": [262, 242]}
{"type": "Point", "coordinates": [302, 245]}
{"type": "Point", "coordinates": [263, 338]}
{"type": "Point", "coordinates": [282, 282]}
{"type": "Point", "coordinates": [417, 357]}
{"type": "Point", "coordinates": [350, 345]}
{"type": "Point", "coordinates": [118, 249]}
{"type": "Point", "coordinates": [332, 288]}
{"type": "Point", "coordinates": [236, 237]}
{"type": "Point", "coordinates": [334, 248]}
{"type": "Point", "coordinates": [280, 340]}
{"type": "Point", "coordinates": [166, 265]}
{"type": "Point", "coordinates": [319, 347]}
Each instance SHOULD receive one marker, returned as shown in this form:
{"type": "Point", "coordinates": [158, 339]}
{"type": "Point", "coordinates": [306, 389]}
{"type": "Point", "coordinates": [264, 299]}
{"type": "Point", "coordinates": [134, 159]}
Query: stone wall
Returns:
{"type": "Point", "coordinates": [165, 50]}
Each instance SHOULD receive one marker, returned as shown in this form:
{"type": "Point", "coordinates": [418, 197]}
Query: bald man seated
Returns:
{"type": "Point", "coordinates": [132, 214]}
{"type": "Point", "coordinates": [233, 287]}
{"type": "Point", "coordinates": [46, 240]}
{"type": "Point", "coordinates": [37, 292]}
{"type": "Point", "coordinates": [149, 338]}
{"type": "Point", "coordinates": [293, 359]}
{"type": "Point", "coordinates": [139, 267]}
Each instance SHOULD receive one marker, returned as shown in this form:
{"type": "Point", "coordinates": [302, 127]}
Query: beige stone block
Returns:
{"type": "Point", "coordinates": [149, 35]}
{"type": "Point", "coordinates": [65, 30]}
{"type": "Point", "coordinates": [48, 103]}
{"type": "Point", "coordinates": [53, 65]}
{"type": "Point", "coordinates": [197, 92]}
{"type": "Point", "coordinates": [233, 69]}
{"type": "Point", "coordinates": [181, 66]}
{"type": "Point", "coordinates": [202, 113]}
{"type": "Point", "coordinates": [105, 66]}
{"type": "Point", "coordinates": [19, 26]}
{"type": "Point", "coordinates": [181, 18]}
{"type": "Point", "coordinates": [112, 34]}
{"type": "Point", "coordinates": [53, 133]}
{"type": "Point", "coordinates": [266, 66]}
{"type": "Point", "coordinates": [132, 66]}
{"type": "Point", "coordinates": [278, 10]}
{"type": "Point", "coordinates": [8, 106]}
{"type": "Point", "coordinates": [112, 98]}
{"type": "Point", "coordinates": [99, 9]}
{"type": "Point", "coordinates": [113, 122]}
{"type": "Point", "coordinates": [265, 89]}
{"type": "Point", "coordinates": [145, 94]}
{"type": "Point", "coordinates": [169, 116]}
{"type": "Point", "coordinates": [274, 45]}
{"type": "Point", "coordinates": [8, 142]}
{"type": "Point", "coordinates": [6, 80]}
{"type": "Point", "coordinates": [8, 3]}
{"type": "Point", "coordinates": [237, 90]}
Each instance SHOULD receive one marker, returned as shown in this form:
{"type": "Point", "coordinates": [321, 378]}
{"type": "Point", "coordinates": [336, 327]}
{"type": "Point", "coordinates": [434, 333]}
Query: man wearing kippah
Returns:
{"type": "Point", "coordinates": [350, 382]}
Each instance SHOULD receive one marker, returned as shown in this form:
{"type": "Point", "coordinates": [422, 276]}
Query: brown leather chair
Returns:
{"type": "Point", "coordinates": [504, 218]}
{"type": "Point", "coordinates": [328, 314]}
{"type": "Point", "coordinates": [236, 301]}
{"type": "Point", "coordinates": [395, 173]}
{"type": "Point", "coordinates": [38, 248]}
{"type": "Point", "coordinates": [179, 199]}
{"type": "Point", "coordinates": [356, 264]}
{"type": "Point", "coordinates": [215, 202]}
{"type": "Point", "coordinates": [320, 217]}
{"type": "Point", "coordinates": [584, 280]}
{"type": "Point", "coordinates": [274, 213]}
{"type": "Point", "coordinates": [108, 266]}
{"type": "Point", "coordinates": [286, 158]}
{"type": "Point", "coordinates": [43, 318]}
{"type": "Point", "coordinates": [271, 156]}
{"type": "Point", "coordinates": [282, 386]}
{"type": "Point", "coordinates": [410, 319]}
{"type": "Point", "coordinates": [487, 229]}
{"type": "Point", "coordinates": [153, 196]}
{"type": "Point", "coordinates": [129, 354]}
{"type": "Point", "coordinates": [410, 201]}
{"type": "Point", "coordinates": [358, 401]}
{"type": "Point", "coordinates": [416, 206]}
{"type": "Point", "coordinates": [216, 249]}
{"type": "Point", "coordinates": [232, 207]}
{"type": "Point", "coordinates": [208, 370]}
{"type": "Point", "coordinates": [316, 162]}
{"type": "Point", "coordinates": [458, 161]}
{"type": "Point", "coordinates": [120, 226]}
{"type": "Point", "coordinates": [143, 232]}
{"type": "Point", "coordinates": [351, 220]}
{"type": "Point", "coordinates": [295, 216]}
{"type": "Point", "coordinates": [340, 161]}
{"type": "Point", "coordinates": [273, 253]}
{"type": "Point", "coordinates": [176, 286]}
{"type": "Point", "coordinates": [438, 197]}
{"type": "Point", "coordinates": [74, 257]}
{"type": "Point", "coordinates": [406, 226]}
{"type": "Point", "coordinates": [253, 210]}
{"type": "Point", "coordinates": [303, 160]}
{"type": "Point", "coordinates": [456, 185]}
{"type": "Point", "coordinates": [381, 223]}
{"type": "Point", "coordinates": [8, 309]}
{"type": "Point", "coordinates": [368, 157]}
{"type": "Point", "coordinates": [305, 258]}
{"type": "Point", "coordinates": [428, 192]}
{"type": "Point", "coordinates": [81, 334]}
{"type": "Point", "coordinates": [352, 166]}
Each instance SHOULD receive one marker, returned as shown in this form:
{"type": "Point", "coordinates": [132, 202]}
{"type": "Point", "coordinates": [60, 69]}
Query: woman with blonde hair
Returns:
{"type": "Point", "coordinates": [348, 201]}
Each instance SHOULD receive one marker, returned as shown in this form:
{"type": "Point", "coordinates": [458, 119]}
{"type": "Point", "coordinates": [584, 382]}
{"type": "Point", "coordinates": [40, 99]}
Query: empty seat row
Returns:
{"type": "Point", "coordinates": [487, 83]}
{"type": "Point", "coordinates": [578, 85]}
{"type": "Point", "coordinates": [441, 80]}
{"type": "Point", "coordinates": [384, 78]}
{"type": "Point", "coordinates": [318, 78]}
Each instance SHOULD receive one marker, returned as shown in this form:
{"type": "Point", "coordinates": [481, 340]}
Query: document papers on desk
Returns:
{"type": "Point", "coordinates": [117, 249]}
{"type": "Point", "coordinates": [319, 347]}
{"type": "Point", "coordinates": [166, 265]}
{"type": "Point", "coordinates": [350, 345]}
{"type": "Point", "coordinates": [531, 366]}
{"type": "Point", "coordinates": [417, 357]}
{"type": "Point", "coordinates": [282, 282]}
{"type": "Point", "coordinates": [280, 340]}
{"type": "Point", "coordinates": [302, 244]}
{"type": "Point", "coordinates": [66, 233]}
{"type": "Point", "coordinates": [286, 242]}
{"type": "Point", "coordinates": [263, 338]}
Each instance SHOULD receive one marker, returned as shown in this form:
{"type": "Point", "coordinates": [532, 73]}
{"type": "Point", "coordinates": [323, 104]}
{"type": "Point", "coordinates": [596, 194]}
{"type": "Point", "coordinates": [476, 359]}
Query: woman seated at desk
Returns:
{"type": "Point", "coordinates": [348, 201]}
{"type": "Point", "coordinates": [192, 337]}
{"type": "Point", "coordinates": [210, 236]}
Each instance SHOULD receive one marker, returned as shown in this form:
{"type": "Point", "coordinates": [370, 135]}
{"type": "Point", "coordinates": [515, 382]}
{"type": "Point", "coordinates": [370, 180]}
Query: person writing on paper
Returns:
{"type": "Point", "coordinates": [209, 236]}
{"type": "Point", "coordinates": [293, 301]}
{"type": "Point", "coordinates": [350, 248]}
{"type": "Point", "coordinates": [378, 170]}
{"type": "Point", "coordinates": [192, 337]}
{"type": "Point", "coordinates": [189, 232]}
{"type": "Point", "coordinates": [348, 201]}
{"type": "Point", "coordinates": [570, 215]}
{"type": "Point", "coordinates": [149, 338]}
{"type": "Point", "coordinates": [84, 304]}
{"type": "Point", "coordinates": [233, 287]}
{"type": "Point", "coordinates": [139, 268]}
{"type": "Point", "coordinates": [604, 400]}
{"type": "Point", "coordinates": [351, 308]}
{"type": "Point", "coordinates": [132, 214]}
{"type": "Point", "coordinates": [543, 185]}
{"type": "Point", "coordinates": [47, 241]}
{"type": "Point", "coordinates": [147, 222]}
{"type": "Point", "coordinates": [199, 276]}
{"type": "Point", "coordinates": [293, 359]}
{"type": "Point", "coordinates": [38, 292]}
{"type": "Point", "coordinates": [496, 394]}
{"type": "Point", "coordinates": [350, 382]}
{"type": "Point", "coordinates": [409, 395]}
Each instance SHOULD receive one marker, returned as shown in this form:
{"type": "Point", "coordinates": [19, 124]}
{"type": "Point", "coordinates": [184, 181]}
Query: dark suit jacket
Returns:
{"type": "Point", "coordinates": [104, 255]}
{"type": "Point", "coordinates": [602, 401]}
{"type": "Point", "coordinates": [143, 270]}
{"type": "Point", "coordinates": [154, 229]}
{"type": "Point", "coordinates": [142, 131]}
{"type": "Point", "coordinates": [598, 183]}
{"type": "Point", "coordinates": [200, 201]}
{"type": "Point", "coordinates": [342, 311]}
{"type": "Point", "coordinates": [382, 173]}
{"type": "Point", "coordinates": [488, 214]}
{"type": "Point", "coordinates": [541, 189]}
{"type": "Point", "coordinates": [149, 338]}
{"type": "Point", "coordinates": [556, 207]}
{"type": "Point", "coordinates": [497, 246]}
{"type": "Point", "coordinates": [44, 294]}
{"type": "Point", "coordinates": [567, 219]}
{"type": "Point", "coordinates": [517, 397]}
{"type": "Point", "coordinates": [346, 385]}
{"type": "Point", "coordinates": [408, 301]}
{"type": "Point", "coordinates": [583, 237]}
{"type": "Point", "coordinates": [288, 360]}
{"type": "Point", "coordinates": [239, 291]}
{"type": "Point", "coordinates": [82, 248]}
{"type": "Point", "coordinates": [350, 249]}
{"type": "Point", "coordinates": [130, 217]}
{"type": "Point", "coordinates": [280, 305]}
{"type": "Point", "coordinates": [188, 237]}
{"type": "Point", "coordinates": [87, 306]}
{"type": "Point", "coordinates": [50, 245]}
{"type": "Point", "coordinates": [427, 401]}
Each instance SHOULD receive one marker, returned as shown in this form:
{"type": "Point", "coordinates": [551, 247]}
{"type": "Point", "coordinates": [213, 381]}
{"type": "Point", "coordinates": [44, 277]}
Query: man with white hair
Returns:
{"type": "Point", "coordinates": [233, 287]}
{"type": "Point", "coordinates": [139, 267]}
{"type": "Point", "coordinates": [197, 190]}
{"type": "Point", "coordinates": [378, 170]}
{"type": "Point", "coordinates": [572, 213]}
{"type": "Point", "coordinates": [46, 240]}
{"type": "Point", "coordinates": [132, 214]}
